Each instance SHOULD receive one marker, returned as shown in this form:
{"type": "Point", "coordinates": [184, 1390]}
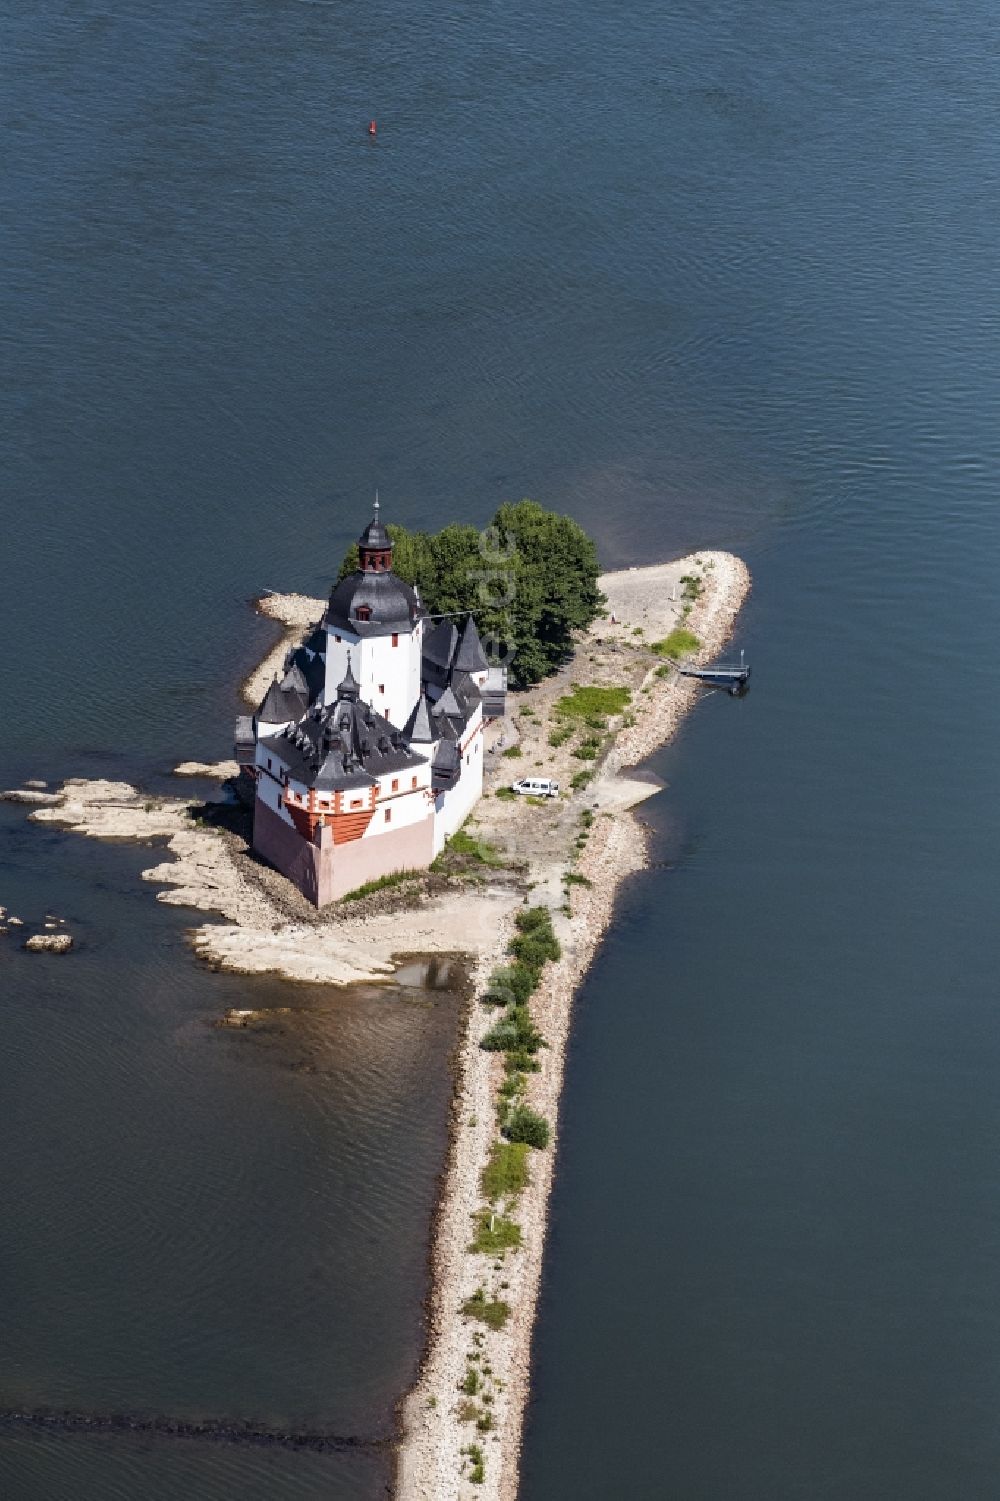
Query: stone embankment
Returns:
{"type": "Point", "coordinates": [442, 1453]}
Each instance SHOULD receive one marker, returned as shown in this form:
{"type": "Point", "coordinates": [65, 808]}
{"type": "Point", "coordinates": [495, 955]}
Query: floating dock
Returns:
{"type": "Point", "coordinates": [734, 680]}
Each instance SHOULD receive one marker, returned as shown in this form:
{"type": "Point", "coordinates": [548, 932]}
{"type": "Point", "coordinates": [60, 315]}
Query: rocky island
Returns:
{"type": "Point", "coordinates": [525, 888]}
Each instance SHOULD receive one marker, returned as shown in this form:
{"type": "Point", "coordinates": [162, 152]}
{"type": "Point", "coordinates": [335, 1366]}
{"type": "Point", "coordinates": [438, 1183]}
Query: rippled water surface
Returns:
{"type": "Point", "coordinates": [719, 275]}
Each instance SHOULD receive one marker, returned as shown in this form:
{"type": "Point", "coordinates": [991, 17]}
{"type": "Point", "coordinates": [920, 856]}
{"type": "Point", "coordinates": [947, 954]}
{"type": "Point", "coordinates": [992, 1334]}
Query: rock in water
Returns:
{"type": "Point", "coordinates": [49, 943]}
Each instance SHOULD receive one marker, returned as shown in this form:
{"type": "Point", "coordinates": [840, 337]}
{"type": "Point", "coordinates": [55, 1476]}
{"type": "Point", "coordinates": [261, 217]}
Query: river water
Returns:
{"type": "Point", "coordinates": [723, 276]}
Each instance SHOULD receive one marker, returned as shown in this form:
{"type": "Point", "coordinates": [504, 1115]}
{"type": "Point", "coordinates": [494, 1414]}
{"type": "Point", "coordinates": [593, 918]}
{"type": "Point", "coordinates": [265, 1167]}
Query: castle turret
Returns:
{"type": "Point", "coordinates": [378, 619]}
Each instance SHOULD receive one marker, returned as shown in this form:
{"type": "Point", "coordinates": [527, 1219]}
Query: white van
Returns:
{"type": "Point", "coordinates": [536, 787]}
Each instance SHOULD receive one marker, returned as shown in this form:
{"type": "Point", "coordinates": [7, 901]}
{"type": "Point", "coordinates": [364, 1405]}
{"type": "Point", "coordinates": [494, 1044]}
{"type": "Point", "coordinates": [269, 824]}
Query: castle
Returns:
{"type": "Point", "coordinates": [367, 754]}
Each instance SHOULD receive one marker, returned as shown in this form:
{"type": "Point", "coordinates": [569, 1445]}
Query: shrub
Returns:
{"type": "Point", "coordinates": [534, 949]}
{"type": "Point", "coordinates": [560, 735]}
{"type": "Point", "coordinates": [510, 986]}
{"type": "Point", "coordinates": [525, 1124]}
{"type": "Point", "coordinates": [494, 1234]}
{"type": "Point", "coordinates": [533, 920]}
{"type": "Point", "coordinates": [493, 1312]}
{"type": "Point", "coordinates": [692, 585]}
{"type": "Point", "coordinates": [506, 1172]}
{"type": "Point", "coordinates": [512, 752]}
{"type": "Point", "coordinates": [484, 1422]}
{"type": "Point", "coordinates": [574, 878]}
{"type": "Point", "coordinates": [477, 1473]}
{"type": "Point", "coordinates": [471, 1382]}
{"type": "Point", "coordinates": [587, 749]}
{"type": "Point", "coordinates": [580, 779]}
{"type": "Point", "coordinates": [506, 793]}
{"type": "Point", "coordinates": [520, 1061]}
{"type": "Point", "coordinates": [680, 643]}
{"type": "Point", "coordinates": [513, 1033]}
{"type": "Point", "coordinates": [468, 1412]}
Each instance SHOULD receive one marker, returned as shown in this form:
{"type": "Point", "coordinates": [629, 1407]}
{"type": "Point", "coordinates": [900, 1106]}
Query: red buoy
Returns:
{"type": "Point", "coordinates": [372, 128]}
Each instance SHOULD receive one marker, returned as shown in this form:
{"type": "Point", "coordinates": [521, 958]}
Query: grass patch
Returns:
{"type": "Point", "coordinates": [494, 1234]}
{"type": "Point", "coordinates": [395, 878]}
{"type": "Point", "coordinates": [574, 878]}
{"type": "Point", "coordinates": [580, 779]}
{"type": "Point", "coordinates": [506, 1173]}
{"type": "Point", "coordinates": [560, 735]}
{"type": "Point", "coordinates": [468, 1412]}
{"type": "Point", "coordinates": [691, 586]}
{"type": "Point", "coordinates": [472, 848]}
{"type": "Point", "coordinates": [493, 1312]}
{"type": "Point", "coordinates": [506, 794]}
{"type": "Point", "coordinates": [525, 1125]}
{"type": "Point", "coordinates": [471, 1382]}
{"type": "Point", "coordinates": [680, 643]}
{"type": "Point", "coordinates": [512, 752]}
{"type": "Point", "coordinates": [592, 702]}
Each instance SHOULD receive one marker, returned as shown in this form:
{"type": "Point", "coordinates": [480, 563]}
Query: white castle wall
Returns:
{"type": "Point", "coordinates": [388, 676]}
{"type": "Point", "coordinates": [452, 807]}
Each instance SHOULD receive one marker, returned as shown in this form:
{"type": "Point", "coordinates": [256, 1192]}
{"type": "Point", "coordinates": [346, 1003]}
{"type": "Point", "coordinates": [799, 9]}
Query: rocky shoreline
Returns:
{"type": "Point", "coordinates": [434, 1455]}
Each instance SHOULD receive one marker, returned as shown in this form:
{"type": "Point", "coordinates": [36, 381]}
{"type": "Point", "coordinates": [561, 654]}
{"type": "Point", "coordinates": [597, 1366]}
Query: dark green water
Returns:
{"type": "Point", "coordinates": [724, 275]}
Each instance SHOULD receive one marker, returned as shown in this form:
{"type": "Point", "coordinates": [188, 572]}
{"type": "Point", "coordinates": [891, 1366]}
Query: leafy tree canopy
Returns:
{"type": "Point", "coordinates": [530, 580]}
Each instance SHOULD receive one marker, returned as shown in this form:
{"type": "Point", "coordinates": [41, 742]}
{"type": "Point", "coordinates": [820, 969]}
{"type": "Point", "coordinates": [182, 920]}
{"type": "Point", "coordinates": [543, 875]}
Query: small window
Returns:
{"type": "Point", "coordinates": [336, 638]}
{"type": "Point", "coordinates": [388, 815]}
{"type": "Point", "coordinates": [381, 687]}
{"type": "Point", "coordinates": [269, 763]}
{"type": "Point", "coordinates": [355, 802]}
{"type": "Point", "coordinates": [413, 783]}
{"type": "Point", "coordinates": [363, 612]}
{"type": "Point", "coordinates": [395, 639]}
{"type": "Point", "coordinates": [395, 784]}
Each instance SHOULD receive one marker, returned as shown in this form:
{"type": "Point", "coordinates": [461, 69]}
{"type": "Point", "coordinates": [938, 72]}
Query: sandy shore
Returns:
{"type": "Point", "coordinates": [267, 927]}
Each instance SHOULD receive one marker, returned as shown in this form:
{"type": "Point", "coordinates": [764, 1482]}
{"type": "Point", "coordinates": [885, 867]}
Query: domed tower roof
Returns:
{"type": "Point", "coordinates": [372, 601]}
{"type": "Point", "coordinates": [374, 537]}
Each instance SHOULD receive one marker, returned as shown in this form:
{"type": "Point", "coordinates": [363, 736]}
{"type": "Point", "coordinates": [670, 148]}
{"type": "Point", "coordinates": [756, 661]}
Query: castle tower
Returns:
{"type": "Point", "coordinates": [377, 620]}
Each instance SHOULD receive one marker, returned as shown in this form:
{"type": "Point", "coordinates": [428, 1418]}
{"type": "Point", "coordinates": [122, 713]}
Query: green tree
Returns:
{"type": "Point", "coordinates": [529, 590]}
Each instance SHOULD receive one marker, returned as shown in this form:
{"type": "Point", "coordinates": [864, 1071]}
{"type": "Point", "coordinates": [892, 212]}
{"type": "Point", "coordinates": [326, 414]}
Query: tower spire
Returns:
{"type": "Point", "coordinates": [374, 544]}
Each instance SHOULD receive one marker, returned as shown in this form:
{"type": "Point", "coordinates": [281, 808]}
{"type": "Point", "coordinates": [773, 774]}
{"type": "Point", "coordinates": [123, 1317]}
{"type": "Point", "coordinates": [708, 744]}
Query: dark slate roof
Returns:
{"type": "Point", "coordinates": [343, 745]}
{"type": "Point", "coordinates": [313, 670]}
{"type": "Point", "coordinates": [439, 644]}
{"type": "Point", "coordinates": [393, 605]}
{"type": "Point", "coordinates": [470, 656]}
{"type": "Point", "coordinates": [375, 534]}
{"type": "Point", "coordinates": [316, 642]}
{"type": "Point", "coordinates": [447, 757]}
{"type": "Point", "coordinates": [244, 730]}
{"type": "Point", "coordinates": [286, 700]}
{"type": "Point", "coordinates": [419, 727]}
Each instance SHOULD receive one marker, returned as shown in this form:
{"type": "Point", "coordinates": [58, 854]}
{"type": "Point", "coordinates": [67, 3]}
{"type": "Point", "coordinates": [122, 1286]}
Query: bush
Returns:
{"type": "Point", "coordinates": [588, 749]}
{"type": "Point", "coordinates": [533, 950]}
{"type": "Point", "coordinates": [580, 779]}
{"type": "Point", "coordinates": [560, 736]}
{"type": "Point", "coordinates": [510, 986]}
{"type": "Point", "coordinates": [525, 1125]}
{"type": "Point", "coordinates": [512, 752]}
{"type": "Point", "coordinates": [506, 1172]}
{"type": "Point", "coordinates": [506, 793]}
{"type": "Point", "coordinates": [680, 643]}
{"type": "Point", "coordinates": [494, 1312]}
{"type": "Point", "coordinates": [514, 1032]}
